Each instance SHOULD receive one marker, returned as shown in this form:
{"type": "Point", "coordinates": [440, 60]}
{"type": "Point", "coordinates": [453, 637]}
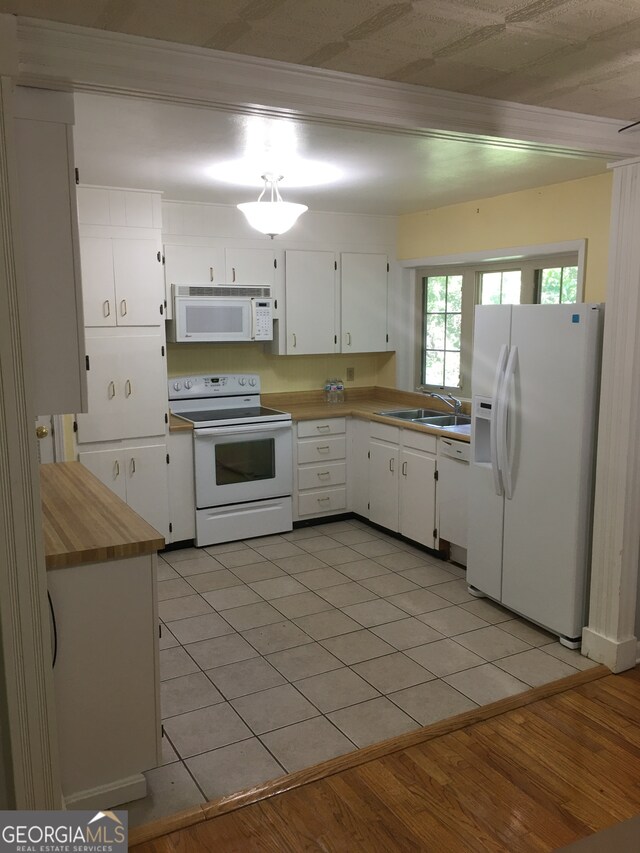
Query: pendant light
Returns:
{"type": "Point", "coordinates": [274, 216]}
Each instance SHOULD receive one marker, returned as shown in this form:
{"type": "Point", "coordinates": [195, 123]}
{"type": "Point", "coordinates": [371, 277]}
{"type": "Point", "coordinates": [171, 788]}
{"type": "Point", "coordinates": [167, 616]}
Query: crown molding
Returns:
{"type": "Point", "coordinates": [63, 56]}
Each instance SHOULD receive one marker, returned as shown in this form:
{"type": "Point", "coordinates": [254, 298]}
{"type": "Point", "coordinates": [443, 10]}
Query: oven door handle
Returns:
{"type": "Point", "coordinates": [243, 429]}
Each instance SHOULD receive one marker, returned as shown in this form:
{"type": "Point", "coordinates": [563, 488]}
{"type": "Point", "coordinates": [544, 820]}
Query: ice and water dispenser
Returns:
{"type": "Point", "coordinates": [482, 415]}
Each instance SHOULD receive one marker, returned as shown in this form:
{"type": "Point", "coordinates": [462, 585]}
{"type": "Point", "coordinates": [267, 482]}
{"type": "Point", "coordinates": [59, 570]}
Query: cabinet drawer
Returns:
{"type": "Point", "coordinates": [330, 426]}
{"type": "Point", "coordinates": [318, 476]}
{"type": "Point", "coordinates": [385, 432]}
{"type": "Point", "coordinates": [318, 501]}
{"type": "Point", "coordinates": [323, 449]}
{"type": "Point", "coordinates": [419, 440]}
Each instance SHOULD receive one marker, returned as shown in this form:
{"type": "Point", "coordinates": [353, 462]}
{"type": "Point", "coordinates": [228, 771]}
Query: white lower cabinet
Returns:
{"type": "Point", "coordinates": [182, 500]}
{"type": "Point", "coordinates": [402, 483]}
{"type": "Point", "coordinates": [138, 475]}
{"type": "Point", "coordinates": [321, 471]}
{"type": "Point", "coordinates": [358, 466]}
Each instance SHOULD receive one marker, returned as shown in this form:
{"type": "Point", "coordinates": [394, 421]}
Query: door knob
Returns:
{"type": "Point", "coordinates": [42, 432]}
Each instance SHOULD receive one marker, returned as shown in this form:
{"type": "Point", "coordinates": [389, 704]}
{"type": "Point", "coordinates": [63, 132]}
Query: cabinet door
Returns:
{"type": "Point", "coordinates": [137, 269]}
{"type": "Point", "coordinates": [182, 501]}
{"type": "Point", "coordinates": [108, 468]}
{"type": "Point", "coordinates": [98, 287]}
{"type": "Point", "coordinates": [358, 462]}
{"type": "Point", "coordinates": [191, 265]}
{"type": "Point", "coordinates": [383, 484]}
{"type": "Point", "coordinates": [250, 266]}
{"type": "Point", "coordinates": [142, 387]}
{"type": "Point", "coordinates": [418, 496]}
{"type": "Point", "coordinates": [311, 302]}
{"type": "Point", "coordinates": [102, 422]}
{"type": "Point", "coordinates": [364, 302]}
{"type": "Point", "coordinates": [147, 484]}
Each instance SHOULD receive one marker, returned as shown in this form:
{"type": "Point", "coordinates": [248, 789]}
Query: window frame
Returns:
{"type": "Point", "coordinates": [471, 293]}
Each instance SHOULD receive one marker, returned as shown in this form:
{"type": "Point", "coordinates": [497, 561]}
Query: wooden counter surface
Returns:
{"type": "Point", "coordinates": [359, 403]}
{"type": "Point", "coordinates": [84, 522]}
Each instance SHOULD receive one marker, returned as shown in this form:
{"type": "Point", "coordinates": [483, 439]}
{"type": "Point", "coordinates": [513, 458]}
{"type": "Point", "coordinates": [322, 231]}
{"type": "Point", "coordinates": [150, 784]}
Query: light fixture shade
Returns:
{"type": "Point", "coordinates": [275, 216]}
{"type": "Point", "coordinates": [272, 217]}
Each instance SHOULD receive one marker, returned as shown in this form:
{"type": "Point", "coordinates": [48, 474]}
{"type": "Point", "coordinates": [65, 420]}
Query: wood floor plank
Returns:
{"type": "Point", "coordinates": [533, 779]}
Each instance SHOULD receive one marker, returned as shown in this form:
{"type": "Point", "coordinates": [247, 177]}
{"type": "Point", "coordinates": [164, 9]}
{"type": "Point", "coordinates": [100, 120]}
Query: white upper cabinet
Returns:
{"type": "Point", "coordinates": [250, 266]}
{"type": "Point", "coordinates": [128, 208]}
{"type": "Point", "coordinates": [122, 281]}
{"type": "Point", "coordinates": [193, 265]}
{"type": "Point", "coordinates": [311, 302]}
{"type": "Point", "coordinates": [364, 302]}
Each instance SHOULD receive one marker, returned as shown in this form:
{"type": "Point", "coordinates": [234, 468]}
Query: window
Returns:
{"type": "Point", "coordinates": [449, 295]}
{"type": "Point", "coordinates": [442, 327]}
{"type": "Point", "coordinates": [557, 285]}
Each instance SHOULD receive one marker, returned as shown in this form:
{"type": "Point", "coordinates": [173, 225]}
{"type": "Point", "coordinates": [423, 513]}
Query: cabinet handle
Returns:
{"type": "Point", "coordinates": [211, 273]}
{"type": "Point", "coordinates": [322, 500]}
{"type": "Point", "coordinates": [404, 469]}
{"type": "Point", "coordinates": [348, 339]}
{"type": "Point", "coordinates": [295, 341]}
{"type": "Point", "coordinates": [323, 474]}
{"type": "Point", "coordinates": [323, 426]}
{"type": "Point", "coordinates": [111, 389]}
{"type": "Point", "coordinates": [392, 464]}
{"type": "Point", "coordinates": [106, 308]}
{"type": "Point", "coordinates": [322, 448]}
{"type": "Point", "coordinates": [123, 307]}
{"type": "Point", "coordinates": [233, 274]}
{"type": "Point", "coordinates": [132, 466]}
{"type": "Point", "coordinates": [128, 388]}
{"type": "Point", "coordinates": [116, 469]}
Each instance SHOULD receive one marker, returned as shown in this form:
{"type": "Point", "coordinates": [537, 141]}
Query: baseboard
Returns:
{"type": "Point", "coordinates": [107, 796]}
{"type": "Point", "coordinates": [617, 655]}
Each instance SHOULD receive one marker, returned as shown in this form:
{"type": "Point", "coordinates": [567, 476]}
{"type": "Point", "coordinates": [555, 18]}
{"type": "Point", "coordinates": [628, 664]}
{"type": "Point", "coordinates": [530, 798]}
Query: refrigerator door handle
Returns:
{"type": "Point", "coordinates": [493, 433]}
{"type": "Point", "coordinates": [507, 385]}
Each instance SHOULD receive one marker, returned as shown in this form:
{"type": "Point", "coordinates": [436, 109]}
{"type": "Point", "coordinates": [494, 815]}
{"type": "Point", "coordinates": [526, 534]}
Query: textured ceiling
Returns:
{"type": "Point", "coordinates": [578, 55]}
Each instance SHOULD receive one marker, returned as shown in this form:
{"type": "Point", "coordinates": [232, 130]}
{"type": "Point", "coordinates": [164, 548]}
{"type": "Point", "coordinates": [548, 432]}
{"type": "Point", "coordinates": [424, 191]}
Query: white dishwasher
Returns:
{"type": "Point", "coordinates": [453, 485]}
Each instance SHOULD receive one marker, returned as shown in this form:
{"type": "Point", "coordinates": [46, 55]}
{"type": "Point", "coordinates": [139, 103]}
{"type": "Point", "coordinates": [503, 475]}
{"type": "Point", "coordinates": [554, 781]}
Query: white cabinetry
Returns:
{"type": "Point", "coordinates": [321, 473]}
{"type": "Point", "coordinates": [402, 484]}
{"type": "Point", "coordinates": [138, 475]}
{"type": "Point", "coordinates": [50, 268]}
{"type": "Point", "coordinates": [122, 281]}
{"type": "Point", "coordinates": [311, 302]}
{"type": "Point", "coordinates": [182, 501]}
{"type": "Point", "coordinates": [127, 385]}
{"type": "Point", "coordinates": [106, 679]}
{"type": "Point", "coordinates": [363, 302]}
{"type": "Point", "coordinates": [453, 490]}
{"type": "Point", "coordinates": [250, 266]}
{"type": "Point", "coordinates": [358, 466]}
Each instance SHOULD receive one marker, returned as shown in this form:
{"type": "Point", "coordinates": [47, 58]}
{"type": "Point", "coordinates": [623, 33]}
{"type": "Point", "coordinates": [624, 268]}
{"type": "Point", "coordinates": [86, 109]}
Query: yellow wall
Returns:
{"type": "Point", "coordinates": [281, 373]}
{"type": "Point", "coordinates": [568, 211]}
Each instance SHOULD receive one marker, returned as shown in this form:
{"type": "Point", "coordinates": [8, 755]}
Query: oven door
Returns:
{"type": "Point", "coordinates": [242, 463]}
{"type": "Point", "coordinates": [214, 319]}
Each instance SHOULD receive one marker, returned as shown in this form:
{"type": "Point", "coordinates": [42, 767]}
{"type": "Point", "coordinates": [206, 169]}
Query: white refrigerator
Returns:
{"type": "Point", "coordinates": [535, 386]}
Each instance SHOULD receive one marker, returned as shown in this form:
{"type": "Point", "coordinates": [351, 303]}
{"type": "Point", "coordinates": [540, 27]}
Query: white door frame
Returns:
{"type": "Point", "coordinates": [42, 53]}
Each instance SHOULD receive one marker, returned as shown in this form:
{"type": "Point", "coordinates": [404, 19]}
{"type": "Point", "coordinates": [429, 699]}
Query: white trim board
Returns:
{"type": "Point", "coordinates": [509, 253]}
{"type": "Point", "coordinates": [63, 56]}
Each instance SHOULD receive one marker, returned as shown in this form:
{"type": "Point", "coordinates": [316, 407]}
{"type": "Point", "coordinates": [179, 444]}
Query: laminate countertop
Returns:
{"type": "Point", "coordinates": [359, 402]}
{"type": "Point", "coordinates": [85, 522]}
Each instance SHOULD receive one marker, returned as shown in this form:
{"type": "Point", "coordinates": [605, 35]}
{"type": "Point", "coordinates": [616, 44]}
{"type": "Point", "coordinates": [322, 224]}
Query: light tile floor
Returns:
{"type": "Point", "coordinates": [281, 652]}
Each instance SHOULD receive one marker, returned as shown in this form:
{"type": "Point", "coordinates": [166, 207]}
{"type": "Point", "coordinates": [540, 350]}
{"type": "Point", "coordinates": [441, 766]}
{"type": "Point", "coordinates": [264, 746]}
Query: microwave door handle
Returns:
{"type": "Point", "coordinates": [253, 318]}
{"type": "Point", "coordinates": [242, 429]}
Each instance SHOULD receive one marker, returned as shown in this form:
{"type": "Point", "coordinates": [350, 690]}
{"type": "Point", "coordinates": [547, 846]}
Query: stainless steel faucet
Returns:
{"type": "Point", "coordinates": [450, 400]}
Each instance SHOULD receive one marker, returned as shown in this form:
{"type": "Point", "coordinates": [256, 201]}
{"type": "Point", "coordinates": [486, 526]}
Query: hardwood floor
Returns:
{"type": "Point", "coordinates": [533, 778]}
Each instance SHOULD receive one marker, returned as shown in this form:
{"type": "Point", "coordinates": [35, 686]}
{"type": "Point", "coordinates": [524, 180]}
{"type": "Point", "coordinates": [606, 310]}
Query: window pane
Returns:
{"type": "Point", "coordinates": [491, 288]}
{"type": "Point", "coordinates": [511, 287]}
{"type": "Point", "coordinates": [436, 293]}
{"type": "Point", "coordinates": [453, 332]}
{"type": "Point", "coordinates": [434, 368]}
{"type": "Point", "coordinates": [435, 331]}
{"type": "Point", "coordinates": [452, 369]}
{"type": "Point", "coordinates": [570, 284]}
{"type": "Point", "coordinates": [454, 293]}
{"type": "Point", "coordinates": [550, 283]}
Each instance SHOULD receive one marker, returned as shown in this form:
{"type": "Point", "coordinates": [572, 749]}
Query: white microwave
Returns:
{"type": "Point", "coordinates": [220, 313]}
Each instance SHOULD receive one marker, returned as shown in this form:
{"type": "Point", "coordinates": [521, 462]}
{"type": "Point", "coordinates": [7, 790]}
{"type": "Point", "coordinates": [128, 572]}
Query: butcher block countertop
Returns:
{"type": "Point", "coordinates": [359, 403]}
{"type": "Point", "coordinates": [84, 522]}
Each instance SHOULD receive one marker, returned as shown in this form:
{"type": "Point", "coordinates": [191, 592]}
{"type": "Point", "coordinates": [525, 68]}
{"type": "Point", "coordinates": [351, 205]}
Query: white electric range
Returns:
{"type": "Point", "coordinates": [243, 456]}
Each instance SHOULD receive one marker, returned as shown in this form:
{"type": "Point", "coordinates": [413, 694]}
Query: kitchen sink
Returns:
{"type": "Point", "coordinates": [444, 421]}
{"type": "Point", "coordinates": [411, 414]}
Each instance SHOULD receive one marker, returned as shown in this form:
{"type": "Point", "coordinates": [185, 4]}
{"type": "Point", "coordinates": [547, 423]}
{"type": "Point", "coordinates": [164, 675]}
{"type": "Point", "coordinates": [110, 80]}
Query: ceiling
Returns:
{"type": "Point", "coordinates": [579, 55]}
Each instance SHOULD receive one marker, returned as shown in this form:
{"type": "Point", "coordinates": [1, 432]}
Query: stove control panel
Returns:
{"type": "Point", "coordinates": [213, 385]}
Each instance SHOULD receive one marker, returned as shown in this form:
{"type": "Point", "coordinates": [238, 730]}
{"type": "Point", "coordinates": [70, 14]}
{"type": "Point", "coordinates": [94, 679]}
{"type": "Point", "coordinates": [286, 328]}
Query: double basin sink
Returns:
{"type": "Point", "coordinates": [431, 417]}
